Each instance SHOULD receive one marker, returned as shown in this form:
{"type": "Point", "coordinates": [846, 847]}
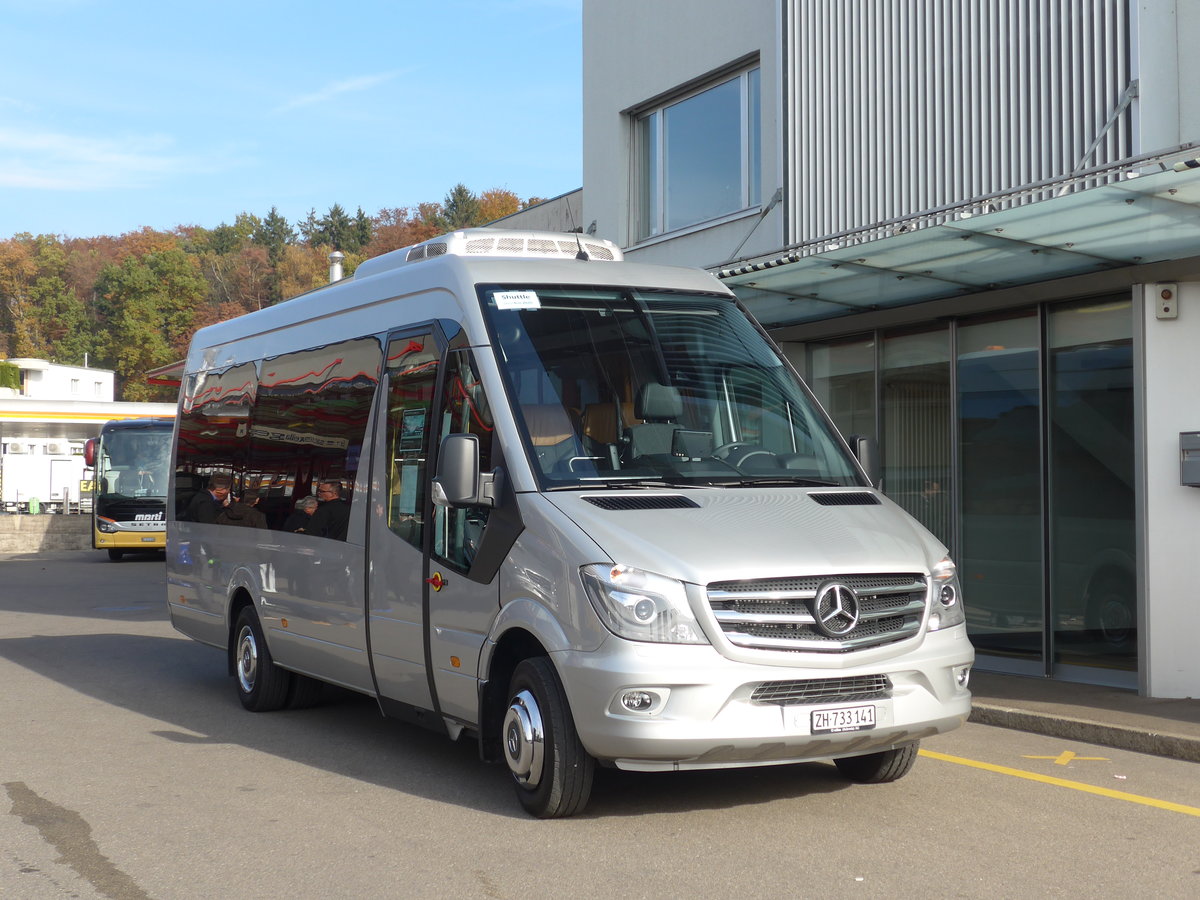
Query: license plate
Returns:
{"type": "Point", "coordinates": [845, 718]}
{"type": "Point", "coordinates": [148, 540]}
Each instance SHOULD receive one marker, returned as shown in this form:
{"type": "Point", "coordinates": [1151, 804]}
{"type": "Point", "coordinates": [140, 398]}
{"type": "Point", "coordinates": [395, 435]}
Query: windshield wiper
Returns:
{"type": "Point", "coordinates": [797, 481]}
{"type": "Point", "coordinates": [618, 484]}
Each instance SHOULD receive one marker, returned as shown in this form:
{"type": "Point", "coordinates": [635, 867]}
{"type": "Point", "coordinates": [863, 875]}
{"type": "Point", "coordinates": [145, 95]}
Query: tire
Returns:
{"type": "Point", "coordinates": [551, 770]}
{"type": "Point", "coordinates": [879, 768]}
{"type": "Point", "coordinates": [305, 692]}
{"type": "Point", "coordinates": [115, 555]}
{"type": "Point", "coordinates": [262, 686]}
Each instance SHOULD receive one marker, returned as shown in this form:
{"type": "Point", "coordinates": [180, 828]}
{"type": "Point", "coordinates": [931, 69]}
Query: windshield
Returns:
{"type": "Point", "coordinates": [133, 462]}
{"type": "Point", "coordinates": [634, 386]}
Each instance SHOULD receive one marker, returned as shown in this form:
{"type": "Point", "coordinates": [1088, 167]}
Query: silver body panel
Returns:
{"type": "Point", "coordinates": [352, 612]}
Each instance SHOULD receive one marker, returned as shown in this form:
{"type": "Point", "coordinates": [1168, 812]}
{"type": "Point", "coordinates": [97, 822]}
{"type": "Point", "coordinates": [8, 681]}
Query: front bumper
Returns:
{"type": "Point", "coordinates": [131, 540]}
{"type": "Point", "coordinates": [707, 719]}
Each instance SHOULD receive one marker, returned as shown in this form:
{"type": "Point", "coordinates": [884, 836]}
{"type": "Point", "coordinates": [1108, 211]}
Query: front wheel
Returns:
{"type": "Point", "coordinates": [551, 770]}
{"type": "Point", "coordinates": [879, 768]}
{"type": "Point", "coordinates": [262, 685]}
{"type": "Point", "coordinates": [115, 555]}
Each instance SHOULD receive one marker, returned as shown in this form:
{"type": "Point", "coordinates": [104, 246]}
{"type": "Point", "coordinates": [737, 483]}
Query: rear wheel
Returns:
{"type": "Point", "coordinates": [262, 685]}
{"type": "Point", "coordinates": [879, 768]}
{"type": "Point", "coordinates": [115, 555]}
{"type": "Point", "coordinates": [551, 770]}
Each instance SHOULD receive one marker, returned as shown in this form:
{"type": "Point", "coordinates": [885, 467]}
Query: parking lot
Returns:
{"type": "Point", "coordinates": [130, 770]}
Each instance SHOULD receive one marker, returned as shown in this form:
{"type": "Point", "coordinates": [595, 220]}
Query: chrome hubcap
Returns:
{"type": "Point", "coordinates": [524, 745]}
{"type": "Point", "coordinates": [247, 659]}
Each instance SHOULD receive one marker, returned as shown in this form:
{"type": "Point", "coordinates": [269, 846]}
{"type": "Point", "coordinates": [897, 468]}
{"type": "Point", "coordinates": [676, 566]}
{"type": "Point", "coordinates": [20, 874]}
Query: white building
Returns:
{"type": "Point", "coordinates": [975, 228]}
{"type": "Point", "coordinates": [44, 422]}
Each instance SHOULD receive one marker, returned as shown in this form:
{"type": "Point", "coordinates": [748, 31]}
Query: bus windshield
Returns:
{"type": "Point", "coordinates": [132, 463]}
{"type": "Point", "coordinates": [615, 387]}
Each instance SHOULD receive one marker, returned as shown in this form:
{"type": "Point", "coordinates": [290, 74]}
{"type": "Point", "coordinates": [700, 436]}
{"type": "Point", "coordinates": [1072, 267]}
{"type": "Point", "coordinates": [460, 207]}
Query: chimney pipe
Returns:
{"type": "Point", "coordinates": [335, 265]}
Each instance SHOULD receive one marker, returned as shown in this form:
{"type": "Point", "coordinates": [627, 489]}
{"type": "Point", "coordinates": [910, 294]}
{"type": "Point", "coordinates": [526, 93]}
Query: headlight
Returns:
{"type": "Point", "coordinates": [106, 526]}
{"type": "Point", "coordinates": [947, 597]}
{"type": "Point", "coordinates": [641, 606]}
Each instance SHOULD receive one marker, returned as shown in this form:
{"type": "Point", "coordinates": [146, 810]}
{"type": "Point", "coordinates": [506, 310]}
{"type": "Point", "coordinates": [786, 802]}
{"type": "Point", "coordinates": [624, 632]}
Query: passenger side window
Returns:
{"type": "Point", "coordinates": [412, 376]}
{"type": "Point", "coordinates": [465, 410]}
{"type": "Point", "coordinates": [309, 424]}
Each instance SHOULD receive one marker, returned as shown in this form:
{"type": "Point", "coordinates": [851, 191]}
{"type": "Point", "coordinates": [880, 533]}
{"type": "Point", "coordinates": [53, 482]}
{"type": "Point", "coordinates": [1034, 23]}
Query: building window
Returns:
{"type": "Point", "coordinates": [700, 156]}
{"type": "Point", "coordinates": [74, 385]}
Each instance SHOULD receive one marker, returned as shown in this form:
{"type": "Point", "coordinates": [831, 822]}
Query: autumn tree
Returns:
{"type": "Point", "coordinates": [63, 324]}
{"type": "Point", "coordinates": [40, 315]}
{"type": "Point", "coordinates": [402, 227]}
{"type": "Point", "coordinates": [302, 269]}
{"type": "Point", "coordinates": [18, 271]}
{"type": "Point", "coordinates": [149, 304]}
{"type": "Point", "coordinates": [497, 203]}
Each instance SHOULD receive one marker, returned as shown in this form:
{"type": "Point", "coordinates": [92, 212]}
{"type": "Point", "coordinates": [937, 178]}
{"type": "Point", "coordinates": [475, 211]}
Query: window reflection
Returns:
{"type": "Point", "coordinates": [700, 156]}
{"type": "Point", "coordinates": [917, 415]}
{"type": "Point", "coordinates": [999, 408]}
{"type": "Point", "coordinates": [1093, 581]}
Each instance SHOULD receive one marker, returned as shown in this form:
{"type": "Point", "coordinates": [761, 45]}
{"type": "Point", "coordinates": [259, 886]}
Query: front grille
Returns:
{"type": "Point", "coordinates": [823, 690]}
{"type": "Point", "coordinates": [776, 614]}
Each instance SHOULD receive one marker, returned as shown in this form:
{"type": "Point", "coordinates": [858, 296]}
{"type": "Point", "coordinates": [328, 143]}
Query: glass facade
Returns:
{"type": "Point", "coordinates": [999, 451]}
{"type": "Point", "coordinates": [1010, 437]}
{"type": "Point", "coordinates": [917, 420]}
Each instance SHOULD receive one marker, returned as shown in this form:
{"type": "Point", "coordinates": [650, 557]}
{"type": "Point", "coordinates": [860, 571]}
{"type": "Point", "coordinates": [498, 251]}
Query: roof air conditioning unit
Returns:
{"type": "Point", "coordinates": [17, 447]}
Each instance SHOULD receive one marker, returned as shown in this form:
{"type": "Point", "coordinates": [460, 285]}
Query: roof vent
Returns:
{"type": "Point", "coordinates": [497, 243]}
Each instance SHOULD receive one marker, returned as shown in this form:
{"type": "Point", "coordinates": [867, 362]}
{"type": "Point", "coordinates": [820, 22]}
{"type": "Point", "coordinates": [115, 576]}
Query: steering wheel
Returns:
{"type": "Point", "coordinates": [735, 453]}
{"type": "Point", "coordinates": [725, 449]}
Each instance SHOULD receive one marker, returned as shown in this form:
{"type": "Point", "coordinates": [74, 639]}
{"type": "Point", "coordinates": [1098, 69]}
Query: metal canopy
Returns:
{"type": "Point", "coordinates": [1139, 219]}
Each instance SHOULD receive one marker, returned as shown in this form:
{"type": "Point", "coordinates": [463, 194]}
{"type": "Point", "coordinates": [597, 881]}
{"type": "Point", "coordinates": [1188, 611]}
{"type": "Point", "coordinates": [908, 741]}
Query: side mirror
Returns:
{"type": "Point", "coordinates": [458, 481]}
{"type": "Point", "coordinates": [866, 450]}
{"type": "Point", "coordinates": [89, 452]}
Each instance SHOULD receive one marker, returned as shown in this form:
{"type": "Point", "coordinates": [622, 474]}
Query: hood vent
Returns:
{"type": "Point", "coordinates": [654, 501]}
{"type": "Point", "coordinates": [846, 498]}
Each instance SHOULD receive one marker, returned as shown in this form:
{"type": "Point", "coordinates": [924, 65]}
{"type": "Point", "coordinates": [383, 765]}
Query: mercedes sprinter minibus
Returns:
{"type": "Point", "coordinates": [578, 509]}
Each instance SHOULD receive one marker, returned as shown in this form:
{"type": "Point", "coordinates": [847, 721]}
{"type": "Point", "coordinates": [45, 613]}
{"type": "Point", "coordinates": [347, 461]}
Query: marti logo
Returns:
{"type": "Point", "coordinates": [148, 517]}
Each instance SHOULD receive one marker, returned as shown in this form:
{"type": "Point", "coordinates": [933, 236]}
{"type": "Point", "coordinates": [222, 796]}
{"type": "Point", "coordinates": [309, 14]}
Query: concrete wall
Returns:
{"type": "Point", "coordinates": [632, 55]}
{"type": "Point", "coordinates": [29, 534]}
{"type": "Point", "coordinates": [563, 213]}
{"type": "Point", "coordinates": [1170, 514]}
{"type": "Point", "coordinates": [1168, 106]}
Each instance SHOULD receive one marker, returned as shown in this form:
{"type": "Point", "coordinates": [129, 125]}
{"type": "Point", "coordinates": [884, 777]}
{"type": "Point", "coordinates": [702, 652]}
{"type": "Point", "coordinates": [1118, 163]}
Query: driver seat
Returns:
{"type": "Point", "coordinates": [658, 406]}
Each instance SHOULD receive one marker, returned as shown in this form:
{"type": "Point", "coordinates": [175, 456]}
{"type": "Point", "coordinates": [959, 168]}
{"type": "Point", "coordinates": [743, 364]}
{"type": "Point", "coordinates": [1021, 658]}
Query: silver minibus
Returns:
{"type": "Point", "coordinates": [577, 509]}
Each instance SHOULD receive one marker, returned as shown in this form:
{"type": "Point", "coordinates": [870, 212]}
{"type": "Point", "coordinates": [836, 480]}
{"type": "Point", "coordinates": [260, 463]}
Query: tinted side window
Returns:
{"type": "Point", "coordinates": [310, 421]}
{"type": "Point", "coordinates": [413, 364]}
{"type": "Point", "coordinates": [465, 410]}
{"type": "Point", "coordinates": [214, 427]}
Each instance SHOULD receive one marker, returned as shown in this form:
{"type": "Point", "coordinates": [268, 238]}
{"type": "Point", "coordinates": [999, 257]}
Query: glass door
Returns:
{"type": "Point", "coordinates": [1093, 583]}
{"type": "Point", "coordinates": [1001, 560]}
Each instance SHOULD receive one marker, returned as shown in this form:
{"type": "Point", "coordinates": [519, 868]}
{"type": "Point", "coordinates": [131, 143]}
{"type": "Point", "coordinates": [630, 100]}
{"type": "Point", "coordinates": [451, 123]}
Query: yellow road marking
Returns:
{"type": "Point", "coordinates": [1061, 782]}
{"type": "Point", "coordinates": [1067, 756]}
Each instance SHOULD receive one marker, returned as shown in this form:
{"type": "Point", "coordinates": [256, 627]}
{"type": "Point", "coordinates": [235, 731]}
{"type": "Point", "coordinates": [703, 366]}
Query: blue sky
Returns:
{"type": "Point", "coordinates": [120, 114]}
